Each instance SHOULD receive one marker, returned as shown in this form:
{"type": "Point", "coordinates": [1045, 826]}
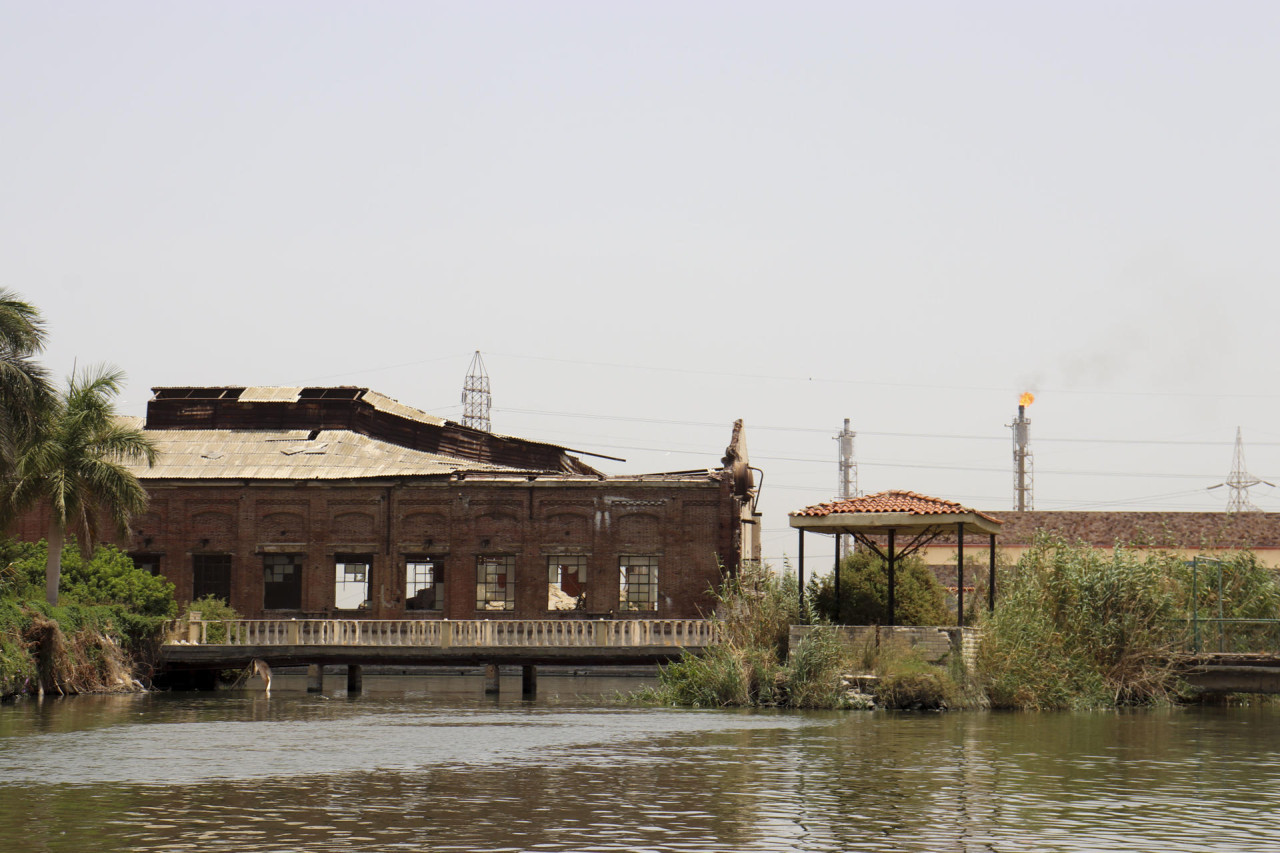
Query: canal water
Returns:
{"type": "Point", "coordinates": [432, 764]}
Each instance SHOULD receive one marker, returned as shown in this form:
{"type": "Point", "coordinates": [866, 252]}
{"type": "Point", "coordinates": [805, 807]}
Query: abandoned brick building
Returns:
{"type": "Point", "coordinates": [341, 501]}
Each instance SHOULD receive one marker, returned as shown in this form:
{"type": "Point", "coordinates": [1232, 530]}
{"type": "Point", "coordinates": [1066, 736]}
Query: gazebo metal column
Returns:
{"type": "Point", "coordinates": [991, 577]}
{"type": "Point", "coordinates": [837, 578]}
{"type": "Point", "coordinates": [800, 566]}
{"type": "Point", "coordinates": [960, 574]}
{"type": "Point", "coordinates": [893, 619]}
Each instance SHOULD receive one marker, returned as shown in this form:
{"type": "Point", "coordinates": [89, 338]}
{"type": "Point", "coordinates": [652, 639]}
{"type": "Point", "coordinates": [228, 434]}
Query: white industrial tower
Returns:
{"type": "Point", "coordinates": [476, 399]}
{"type": "Point", "coordinates": [1023, 463]}
{"type": "Point", "coordinates": [1240, 481]}
{"type": "Point", "coordinates": [847, 485]}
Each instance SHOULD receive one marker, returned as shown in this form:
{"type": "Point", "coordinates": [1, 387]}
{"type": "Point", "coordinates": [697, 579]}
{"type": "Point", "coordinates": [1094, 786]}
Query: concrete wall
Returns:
{"type": "Point", "coordinates": [934, 644]}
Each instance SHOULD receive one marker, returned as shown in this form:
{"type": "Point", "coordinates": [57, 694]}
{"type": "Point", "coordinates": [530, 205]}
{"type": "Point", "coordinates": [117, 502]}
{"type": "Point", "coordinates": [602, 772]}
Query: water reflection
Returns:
{"type": "Point", "coordinates": [405, 768]}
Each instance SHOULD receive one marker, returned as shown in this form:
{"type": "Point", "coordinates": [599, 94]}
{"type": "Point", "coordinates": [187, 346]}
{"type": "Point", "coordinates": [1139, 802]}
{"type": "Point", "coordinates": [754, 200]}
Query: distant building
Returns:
{"type": "Point", "coordinates": [330, 501]}
{"type": "Point", "coordinates": [1186, 533]}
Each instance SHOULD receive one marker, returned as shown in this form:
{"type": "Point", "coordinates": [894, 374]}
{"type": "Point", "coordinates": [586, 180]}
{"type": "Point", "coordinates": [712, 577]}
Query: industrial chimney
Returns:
{"type": "Point", "coordinates": [1023, 473]}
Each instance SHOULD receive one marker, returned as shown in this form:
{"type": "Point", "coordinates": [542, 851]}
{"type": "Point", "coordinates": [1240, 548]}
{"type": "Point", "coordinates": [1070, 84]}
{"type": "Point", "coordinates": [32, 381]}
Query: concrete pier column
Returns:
{"type": "Point", "coordinates": [528, 681]}
{"type": "Point", "coordinates": [315, 678]}
{"type": "Point", "coordinates": [491, 679]}
{"type": "Point", "coordinates": [355, 679]}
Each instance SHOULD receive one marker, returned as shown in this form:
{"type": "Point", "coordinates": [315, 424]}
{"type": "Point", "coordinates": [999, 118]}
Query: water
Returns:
{"type": "Point", "coordinates": [416, 764]}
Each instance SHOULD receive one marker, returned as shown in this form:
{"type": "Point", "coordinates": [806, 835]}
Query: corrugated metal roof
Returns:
{"type": "Point", "coordinates": [383, 403]}
{"type": "Point", "coordinates": [270, 394]}
{"type": "Point", "coordinates": [292, 455]}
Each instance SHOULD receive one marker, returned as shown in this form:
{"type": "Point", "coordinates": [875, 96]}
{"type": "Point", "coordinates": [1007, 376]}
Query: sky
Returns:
{"type": "Point", "coordinates": [654, 218]}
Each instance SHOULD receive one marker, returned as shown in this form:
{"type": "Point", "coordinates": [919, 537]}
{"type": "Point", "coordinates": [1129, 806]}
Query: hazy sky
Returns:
{"type": "Point", "coordinates": [654, 218]}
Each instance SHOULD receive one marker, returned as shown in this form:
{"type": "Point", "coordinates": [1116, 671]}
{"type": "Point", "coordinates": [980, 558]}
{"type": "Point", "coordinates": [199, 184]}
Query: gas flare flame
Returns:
{"type": "Point", "coordinates": [1026, 399]}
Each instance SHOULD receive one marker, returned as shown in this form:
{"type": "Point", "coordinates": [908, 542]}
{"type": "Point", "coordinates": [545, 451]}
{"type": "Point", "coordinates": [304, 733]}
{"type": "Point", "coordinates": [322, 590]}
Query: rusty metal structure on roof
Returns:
{"type": "Point", "coordinates": [353, 409]}
{"type": "Point", "coordinates": [875, 521]}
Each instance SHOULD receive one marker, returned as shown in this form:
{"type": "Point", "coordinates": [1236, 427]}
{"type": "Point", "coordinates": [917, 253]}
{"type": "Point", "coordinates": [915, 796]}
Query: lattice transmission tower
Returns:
{"type": "Point", "coordinates": [1240, 481]}
{"type": "Point", "coordinates": [476, 399]}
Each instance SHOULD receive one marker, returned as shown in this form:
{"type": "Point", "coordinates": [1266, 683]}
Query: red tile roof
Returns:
{"type": "Point", "coordinates": [893, 501]}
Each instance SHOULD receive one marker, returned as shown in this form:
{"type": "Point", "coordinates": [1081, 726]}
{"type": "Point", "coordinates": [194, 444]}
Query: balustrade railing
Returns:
{"type": "Point", "coordinates": [443, 633]}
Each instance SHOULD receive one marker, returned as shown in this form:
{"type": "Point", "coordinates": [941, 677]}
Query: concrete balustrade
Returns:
{"type": "Point", "coordinates": [445, 634]}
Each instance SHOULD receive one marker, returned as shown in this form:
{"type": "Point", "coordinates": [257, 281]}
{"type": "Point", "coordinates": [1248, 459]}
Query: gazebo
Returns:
{"type": "Point", "coordinates": [885, 516]}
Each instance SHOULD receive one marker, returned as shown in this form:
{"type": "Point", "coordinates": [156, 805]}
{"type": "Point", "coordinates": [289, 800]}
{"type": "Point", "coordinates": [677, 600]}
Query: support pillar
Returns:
{"type": "Point", "coordinates": [892, 581]}
{"type": "Point", "coordinates": [800, 566]}
{"type": "Point", "coordinates": [491, 679]}
{"type": "Point", "coordinates": [991, 577]}
{"type": "Point", "coordinates": [315, 678]}
{"type": "Point", "coordinates": [528, 681]}
{"type": "Point", "coordinates": [960, 574]}
{"type": "Point", "coordinates": [837, 578]}
{"type": "Point", "coordinates": [355, 679]}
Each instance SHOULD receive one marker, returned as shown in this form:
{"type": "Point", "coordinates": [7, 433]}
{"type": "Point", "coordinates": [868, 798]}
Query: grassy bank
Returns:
{"type": "Point", "coordinates": [1075, 627]}
{"type": "Point", "coordinates": [100, 638]}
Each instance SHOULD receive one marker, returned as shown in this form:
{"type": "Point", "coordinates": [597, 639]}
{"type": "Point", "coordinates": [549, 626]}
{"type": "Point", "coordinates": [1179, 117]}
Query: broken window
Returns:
{"type": "Point", "coordinates": [566, 583]}
{"type": "Point", "coordinates": [639, 583]}
{"type": "Point", "coordinates": [424, 584]}
{"type": "Point", "coordinates": [495, 583]}
{"type": "Point", "coordinates": [149, 563]}
{"type": "Point", "coordinates": [211, 576]}
{"type": "Point", "coordinates": [282, 581]}
{"type": "Point", "coordinates": [351, 586]}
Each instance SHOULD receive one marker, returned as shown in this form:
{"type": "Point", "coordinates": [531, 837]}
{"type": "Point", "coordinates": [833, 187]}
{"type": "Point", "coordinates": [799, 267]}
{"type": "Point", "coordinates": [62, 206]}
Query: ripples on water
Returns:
{"type": "Point", "coordinates": [241, 772]}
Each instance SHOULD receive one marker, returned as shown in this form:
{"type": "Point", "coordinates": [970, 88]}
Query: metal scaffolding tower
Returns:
{"type": "Point", "coordinates": [1240, 481]}
{"type": "Point", "coordinates": [476, 399]}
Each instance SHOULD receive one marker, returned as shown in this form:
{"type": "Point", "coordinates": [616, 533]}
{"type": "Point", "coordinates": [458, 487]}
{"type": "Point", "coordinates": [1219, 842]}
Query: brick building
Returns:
{"type": "Point", "coordinates": [341, 501]}
{"type": "Point", "coordinates": [1187, 534]}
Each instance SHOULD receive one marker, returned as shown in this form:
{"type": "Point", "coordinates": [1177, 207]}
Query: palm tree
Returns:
{"type": "Point", "coordinates": [77, 463]}
{"type": "Point", "coordinates": [25, 392]}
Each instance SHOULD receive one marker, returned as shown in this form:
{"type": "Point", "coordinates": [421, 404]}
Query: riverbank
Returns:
{"type": "Point", "coordinates": [101, 638]}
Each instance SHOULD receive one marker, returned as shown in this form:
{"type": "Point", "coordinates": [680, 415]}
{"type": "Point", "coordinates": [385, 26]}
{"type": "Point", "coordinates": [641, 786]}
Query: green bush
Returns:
{"type": "Point", "coordinates": [919, 599]}
{"type": "Point", "coordinates": [906, 680]}
{"type": "Point", "coordinates": [811, 677]}
{"type": "Point", "coordinates": [1079, 627]}
{"type": "Point", "coordinates": [215, 610]}
{"type": "Point", "coordinates": [140, 602]}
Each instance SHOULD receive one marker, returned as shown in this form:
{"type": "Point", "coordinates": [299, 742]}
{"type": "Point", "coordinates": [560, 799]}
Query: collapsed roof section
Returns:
{"type": "Point", "coordinates": [349, 432]}
{"type": "Point", "coordinates": [256, 425]}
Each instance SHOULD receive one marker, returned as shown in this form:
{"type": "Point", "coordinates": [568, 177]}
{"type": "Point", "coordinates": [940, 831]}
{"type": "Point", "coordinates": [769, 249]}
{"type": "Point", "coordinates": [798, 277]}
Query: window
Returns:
{"type": "Point", "coordinates": [566, 583]}
{"type": "Point", "coordinates": [639, 583]}
{"type": "Point", "coordinates": [423, 584]}
{"type": "Point", "coordinates": [211, 575]}
{"type": "Point", "coordinates": [149, 563]}
{"type": "Point", "coordinates": [351, 583]}
{"type": "Point", "coordinates": [282, 582]}
{"type": "Point", "coordinates": [495, 583]}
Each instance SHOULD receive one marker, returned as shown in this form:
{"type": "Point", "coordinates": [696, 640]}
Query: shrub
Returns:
{"type": "Point", "coordinates": [215, 610]}
{"type": "Point", "coordinates": [919, 599]}
{"type": "Point", "coordinates": [1079, 627]}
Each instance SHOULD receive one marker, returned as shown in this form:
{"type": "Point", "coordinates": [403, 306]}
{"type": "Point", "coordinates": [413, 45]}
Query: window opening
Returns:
{"type": "Point", "coordinates": [639, 583]}
{"type": "Point", "coordinates": [424, 584]}
{"type": "Point", "coordinates": [211, 576]}
{"type": "Point", "coordinates": [566, 583]}
{"type": "Point", "coordinates": [351, 583]}
{"type": "Point", "coordinates": [282, 582]}
{"type": "Point", "coordinates": [149, 563]}
{"type": "Point", "coordinates": [495, 583]}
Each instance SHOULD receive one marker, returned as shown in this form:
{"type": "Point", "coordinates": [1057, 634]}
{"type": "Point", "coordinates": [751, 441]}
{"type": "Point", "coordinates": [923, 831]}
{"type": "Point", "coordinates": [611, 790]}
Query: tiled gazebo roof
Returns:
{"type": "Point", "coordinates": [894, 502]}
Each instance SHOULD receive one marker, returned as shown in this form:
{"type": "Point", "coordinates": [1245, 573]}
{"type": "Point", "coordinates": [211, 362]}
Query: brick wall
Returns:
{"type": "Point", "coordinates": [690, 526]}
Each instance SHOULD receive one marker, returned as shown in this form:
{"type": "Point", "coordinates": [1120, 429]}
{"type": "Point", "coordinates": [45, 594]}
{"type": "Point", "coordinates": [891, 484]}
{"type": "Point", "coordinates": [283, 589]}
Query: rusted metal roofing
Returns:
{"type": "Point", "coordinates": [383, 403]}
{"type": "Point", "coordinates": [293, 454]}
{"type": "Point", "coordinates": [270, 394]}
{"type": "Point", "coordinates": [897, 510]}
